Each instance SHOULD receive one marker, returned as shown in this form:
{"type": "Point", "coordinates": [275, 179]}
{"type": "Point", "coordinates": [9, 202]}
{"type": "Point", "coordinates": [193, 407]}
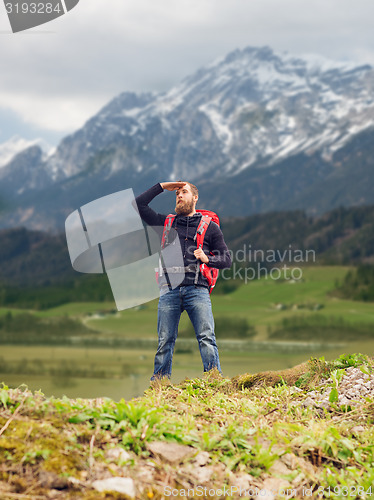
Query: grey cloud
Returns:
{"type": "Point", "coordinates": [101, 49]}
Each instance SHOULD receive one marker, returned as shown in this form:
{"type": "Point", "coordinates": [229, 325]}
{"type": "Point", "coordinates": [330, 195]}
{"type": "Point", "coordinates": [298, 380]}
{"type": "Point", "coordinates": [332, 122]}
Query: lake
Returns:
{"type": "Point", "coordinates": [123, 373]}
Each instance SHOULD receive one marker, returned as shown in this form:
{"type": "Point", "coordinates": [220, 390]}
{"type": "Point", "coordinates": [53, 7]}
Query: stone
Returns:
{"type": "Point", "coordinates": [290, 460]}
{"type": "Point", "coordinates": [273, 487]}
{"type": "Point", "coordinates": [279, 468]}
{"type": "Point", "coordinates": [203, 474]}
{"type": "Point", "coordinates": [171, 452]}
{"type": "Point", "coordinates": [51, 481]}
{"type": "Point", "coordinates": [242, 481]}
{"type": "Point", "coordinates": [202, 458]}
{"type": "Point", "coordinates": [124, 485]}
{"type": "Point", "coordinates": [145, 474]}
{"type": "Point", "coordinates": [357, 429]}
{"type": "Point", "coordinates": [293, 462]}
{"type": "Point", "coordinates": [118, 454]}
{"type": "Point", "coordinates": [352, 389]}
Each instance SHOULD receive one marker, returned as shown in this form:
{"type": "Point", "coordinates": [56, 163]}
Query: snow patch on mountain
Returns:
{"type": "Point", "coordinates": [220, 126]}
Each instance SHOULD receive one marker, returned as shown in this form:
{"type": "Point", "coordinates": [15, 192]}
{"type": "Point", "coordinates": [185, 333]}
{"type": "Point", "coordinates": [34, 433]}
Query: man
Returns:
{"type": "Point", "coordinates": [194, 298]}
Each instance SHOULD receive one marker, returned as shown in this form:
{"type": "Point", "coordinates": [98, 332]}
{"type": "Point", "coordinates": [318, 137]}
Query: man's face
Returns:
{"type": "Point", "coordinates": [185, 201]}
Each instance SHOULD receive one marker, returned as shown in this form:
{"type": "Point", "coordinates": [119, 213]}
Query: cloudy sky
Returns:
{"type": "Point", "coordinates": [55, 77]}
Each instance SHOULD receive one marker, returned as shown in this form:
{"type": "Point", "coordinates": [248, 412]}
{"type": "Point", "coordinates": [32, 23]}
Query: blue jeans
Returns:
{"type": "Point", "coordinates": [196, 301]}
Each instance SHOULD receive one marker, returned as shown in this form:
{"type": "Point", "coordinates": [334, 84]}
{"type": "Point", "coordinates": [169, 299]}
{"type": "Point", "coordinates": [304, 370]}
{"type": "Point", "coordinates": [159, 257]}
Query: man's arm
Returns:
{"type": "Point", "coordinates": [142, 201]}
{"type": "Point", "coordinates": [172, 186]}
{"type": "Point", "coordinates": [221, 258]}
{"type": "Point", "coordinates": [151, 217]}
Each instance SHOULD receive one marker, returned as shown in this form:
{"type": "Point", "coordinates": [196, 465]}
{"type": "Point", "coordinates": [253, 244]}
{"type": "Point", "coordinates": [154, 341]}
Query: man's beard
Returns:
{"type": "Point", "coordinates": [184, 208]}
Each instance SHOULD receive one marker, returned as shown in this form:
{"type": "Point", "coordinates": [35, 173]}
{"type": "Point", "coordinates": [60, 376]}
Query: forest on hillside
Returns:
{"type": "Point", "coordinates": [36, 272]}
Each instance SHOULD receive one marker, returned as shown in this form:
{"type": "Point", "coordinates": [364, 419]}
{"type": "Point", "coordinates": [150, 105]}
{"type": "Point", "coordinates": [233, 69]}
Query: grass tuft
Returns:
{"type": "Point", "coordinates": [271, 378]}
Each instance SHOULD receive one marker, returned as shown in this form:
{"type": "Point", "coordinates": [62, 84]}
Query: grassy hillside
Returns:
{"type": "Point", "coordinates": [358, 284]}
{"type": "Point", "coordinates": [213, 435]}
{"type": "Point", "coordinates": [263, 303]}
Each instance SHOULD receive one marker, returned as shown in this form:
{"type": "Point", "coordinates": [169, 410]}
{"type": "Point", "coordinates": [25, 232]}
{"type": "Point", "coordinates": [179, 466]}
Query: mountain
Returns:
{"type": "Point", "coordinates": [255, 130]}
{"type": "Point", "coordinates": [25, 172]}
{"type": "Point", "coordinates": [33, 258]}
{"type": "Point", "coordinates": [13, 146]}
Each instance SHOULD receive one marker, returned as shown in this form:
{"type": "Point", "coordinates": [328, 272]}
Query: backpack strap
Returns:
{"type": "Point", "coordinates": [164, 241]}
{"type": "Point", "coordinates": [167, 226]}
{"type": "Point", "coordinates": [199, 238]}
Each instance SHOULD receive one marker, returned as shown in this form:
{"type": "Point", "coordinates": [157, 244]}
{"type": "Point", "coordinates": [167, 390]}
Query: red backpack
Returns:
{"type": "Point", "coordinates": [210, 273]}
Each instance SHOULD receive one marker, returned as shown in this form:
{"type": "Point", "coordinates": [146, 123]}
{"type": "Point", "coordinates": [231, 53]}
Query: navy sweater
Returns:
{"type": "Point", "coordinates": [186, 227]}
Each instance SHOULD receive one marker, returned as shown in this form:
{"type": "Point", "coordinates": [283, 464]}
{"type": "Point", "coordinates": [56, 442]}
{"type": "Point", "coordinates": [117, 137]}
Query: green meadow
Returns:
{"type": "Point", "coordinates": [327, 326]}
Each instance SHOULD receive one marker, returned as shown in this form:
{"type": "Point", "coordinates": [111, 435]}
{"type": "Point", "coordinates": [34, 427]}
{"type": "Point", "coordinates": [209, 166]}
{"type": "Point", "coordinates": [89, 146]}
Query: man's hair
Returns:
{"type": "Point", "coordinates": [194, 189]}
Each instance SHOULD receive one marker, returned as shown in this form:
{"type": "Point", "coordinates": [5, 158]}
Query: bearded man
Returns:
{"type": "Point", "coordinates": [192, 294]}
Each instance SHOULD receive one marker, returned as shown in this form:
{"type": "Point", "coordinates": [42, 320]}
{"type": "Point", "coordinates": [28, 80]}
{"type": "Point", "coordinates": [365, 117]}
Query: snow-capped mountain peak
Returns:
{"type": "Point", "coordinates": [247, 111]}
{"type": "Point", "coordinates": [252, 106]}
